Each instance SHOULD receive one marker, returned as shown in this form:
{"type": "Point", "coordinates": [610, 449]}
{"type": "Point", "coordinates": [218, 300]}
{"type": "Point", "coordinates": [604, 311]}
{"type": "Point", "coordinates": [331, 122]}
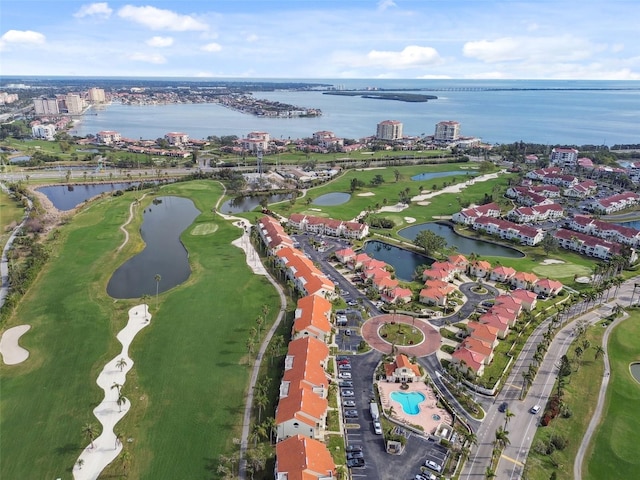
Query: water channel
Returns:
{"type": "Point", "coordinates": [464, 245]}
{"type": "Point", "coordinates": [403, 261]}
{"type": "Point", "coordinates": [164, 254]}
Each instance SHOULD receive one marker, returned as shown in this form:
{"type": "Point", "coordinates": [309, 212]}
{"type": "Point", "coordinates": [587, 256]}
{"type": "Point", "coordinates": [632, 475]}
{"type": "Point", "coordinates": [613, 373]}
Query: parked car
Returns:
{"type": "Point", "coordinates": [351, 413]}
{"type": "Point", "coordinates": [344, 361]}
{"type": "Point", "coordinates": [535, 409]}
{"type": "Point", "coordinates": [355, 463]}
{"type": "Point", "coordinates": [377, 427]}
{"type": "Point", "coordinates": [354, 448]}
{"type": "Point", "coordinates": [433, 465]}
{"type": "Point", "coordinates": [503, 407]}
{"type": "Point", "coordinates": [348, 403]}
{"type": "Point", "coordinates": [346, 384]}
{"type": "Point", "coordinates": [352, 455]}
{"type": "Point", "coordinates": [425, 476]}
{"type": "Point", "coordinates": [347, 393]}
{"type": "Point", "coordinates": [345, 375]}
{"type": "Point", "coordinates": [345, 366]}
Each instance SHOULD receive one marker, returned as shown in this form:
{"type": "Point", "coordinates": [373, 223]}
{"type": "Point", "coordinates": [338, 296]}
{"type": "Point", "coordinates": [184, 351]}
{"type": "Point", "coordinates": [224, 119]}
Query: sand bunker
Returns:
{"type": "Point", "coordinates": [409, 219]}
{"type": "Point", "coordinates": [11, 352]}
{"type": "Point", "coordinates": [583, 280]}
{"type": "Point", "coordinates": [398, 207]}
{"type": "Point", "coordinates": [366, 194]}
{"type": "Point", "coordinates": [107, 446]}
{"type": "Point", "coordinates": [424, 204]}
{"type": "Point", "coordinates": [551, 261]}
{"type": "Point", "coordinates": [457, 188]}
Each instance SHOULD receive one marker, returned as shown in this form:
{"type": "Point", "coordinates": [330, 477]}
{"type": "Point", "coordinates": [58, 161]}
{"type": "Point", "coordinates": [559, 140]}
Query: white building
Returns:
{"type": "Point", "coordinates": [389, 130]}
{"type": "Point", "coordinates": [564, 157]}
{"type": "Point", "coordinates": [46, 132]}
{"type": "Point", "coordinates": [108, 137]}
{"type": "Point", "coordinates": [448, 131]}
{"type": "Point", "coordinates": [96, 95]}
{"type": "Point", "coordinates": [74, 103]}
{"type": "Point", "coordinates": [46, 106]}
{"type": "Point", "coordinates": [256, 142]}
{"type": "Point", "coordinates": [176, 138]}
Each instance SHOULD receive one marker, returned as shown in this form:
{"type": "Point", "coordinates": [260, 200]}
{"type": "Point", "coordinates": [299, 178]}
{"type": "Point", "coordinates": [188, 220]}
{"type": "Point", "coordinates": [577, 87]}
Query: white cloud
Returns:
{"type": "Point", "coordinates": [159, 19]}
{"type": "Point", "coordinates": [211, 47]}
{"type": "Point", "coordinates": [21, 37]}
{"type": "Point", "coordinates": [101, 9]}
{"type": "Point", "coordinates": [147, 58]}
{"type": "Point", "coordinates": [551, 49]}
{"type": "Point", "coordinates": [160, 41]}
{"type": "Point", "coordinates": [411, 56]}
{"type": "Point", "coordinates": [384, 4]}
{"type": "Point", "coordinates": [252, 38]}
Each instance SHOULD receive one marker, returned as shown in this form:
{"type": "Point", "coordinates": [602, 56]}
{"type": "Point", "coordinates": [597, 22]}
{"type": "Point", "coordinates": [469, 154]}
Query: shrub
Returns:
{"type": "Point", "coordinates": [560, 442]}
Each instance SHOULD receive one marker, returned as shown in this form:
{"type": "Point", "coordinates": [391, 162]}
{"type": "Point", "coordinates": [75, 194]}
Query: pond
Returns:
{"type": "Point", "coordinates": [633, 224]}
{"type": "Point", "coordinates": [20, 159]}
{"type": "Point", "coordinates": [403, 261]}
{"type": "Point", "coordinates": [163, 254]}
{"type": "Point", "coordinates": [421, 177]}
{"type": "Point", "coordinates": [246, 204]}
{"type": "Point", "coordinates": [332, 199]}
{"type": "Point", "coordinates": [635, 371]}
{"type": "Point", "coordinates": [464, 245]}
{"type": "Point", "coordinates": [66, 197]}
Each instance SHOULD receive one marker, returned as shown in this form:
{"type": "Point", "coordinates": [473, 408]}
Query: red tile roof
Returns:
{"type": "Point", "coordinates": [302, 458]}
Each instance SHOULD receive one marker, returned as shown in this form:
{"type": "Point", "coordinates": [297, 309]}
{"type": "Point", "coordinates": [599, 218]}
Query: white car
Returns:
{"type": "Point", "coordinates": [433, 465]}
{"type": "Point", "coordinates": [377, 428]}
{"type": "Point", "coordinates": [535, 409]}
{"type": "Point", "coordinates": [345, 375]}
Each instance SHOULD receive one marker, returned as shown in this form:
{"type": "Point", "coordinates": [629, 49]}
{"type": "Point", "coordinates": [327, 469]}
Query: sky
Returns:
{"type": "Point", "coordinates": [315, 39]}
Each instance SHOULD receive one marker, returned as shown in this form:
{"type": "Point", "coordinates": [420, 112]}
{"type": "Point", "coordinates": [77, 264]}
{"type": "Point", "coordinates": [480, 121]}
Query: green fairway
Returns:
{"type": "Point", "coordinates": [563, 270]}
{"type": "Point", "coordinates": [190, 376]}
{"type": "Point", "coordinates": [613, 452]}
{"type": "Point", "coordinates": [204, 229]}
{"type": "Point", "coordinates": [11, 214]}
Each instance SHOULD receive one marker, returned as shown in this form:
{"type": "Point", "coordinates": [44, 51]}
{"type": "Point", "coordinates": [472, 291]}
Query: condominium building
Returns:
{"type": "Point", "coordinates": [564, 157]}
{"type": "Point", "coordinates": [256, 142]}
{"type": "Point", "coordinates": [45, 132]}
{"type": "Point", "coordinates": [74, 103]}
{"type": "Point", "coordinates": [96, 95]}
{"type": "Point", "coordinates": [389, 130]}
{"type": "Point", "coordinates": [46, 106]}
{"type": "Point", "coordinates": [448, 131]}
{"type": "Point", "coordinates": [176, 138]}
{"type": "Point", "coordinates": [108, 137]}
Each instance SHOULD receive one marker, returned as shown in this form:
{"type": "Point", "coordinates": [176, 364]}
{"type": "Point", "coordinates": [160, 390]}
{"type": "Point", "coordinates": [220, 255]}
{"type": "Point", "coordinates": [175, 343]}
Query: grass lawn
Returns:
{"type": "Point", "coordinates": [191, 368]}
{"type": "Point", "coordinates": [613, 451]}
{"type": "Point", "coordinates": [12, 212]}
{"type": "Point", "coordinates": [581, 394]}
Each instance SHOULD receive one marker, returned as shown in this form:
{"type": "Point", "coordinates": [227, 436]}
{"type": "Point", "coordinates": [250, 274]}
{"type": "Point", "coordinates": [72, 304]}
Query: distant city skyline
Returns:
{"type": "Point", "coordinates": [431, 39]}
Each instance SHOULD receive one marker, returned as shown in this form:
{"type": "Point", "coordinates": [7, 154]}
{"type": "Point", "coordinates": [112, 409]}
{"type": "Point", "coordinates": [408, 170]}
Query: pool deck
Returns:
{"type": "Point", "coordinates": [428, 407]}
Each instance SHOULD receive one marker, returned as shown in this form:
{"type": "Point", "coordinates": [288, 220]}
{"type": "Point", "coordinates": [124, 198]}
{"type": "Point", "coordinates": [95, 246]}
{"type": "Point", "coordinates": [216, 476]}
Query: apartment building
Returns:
{"type": "Point", "coordinates": [447, 131]}
{"type": "Point", "coordinates": [389, 130]}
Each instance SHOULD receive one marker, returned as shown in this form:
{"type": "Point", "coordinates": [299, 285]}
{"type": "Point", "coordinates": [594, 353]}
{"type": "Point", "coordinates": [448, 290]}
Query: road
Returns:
{"type": "Point", "coordinates": [522, 426]}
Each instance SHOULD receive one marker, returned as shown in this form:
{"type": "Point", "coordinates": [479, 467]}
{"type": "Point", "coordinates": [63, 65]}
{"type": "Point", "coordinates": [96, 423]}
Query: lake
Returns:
{"type": "Point", "coordinates": [246, 204]}
{"type": "Point", "coordinates": [163, 254]}
{"type": "Point", "coordinates": [464, 245]}
{"type": "Point", "coordinates": [430, 175]}
{"type": "Point", "coordinates": [67, 197]}
{"type": "Point", "coordinates": [332, 199]}
{"type": "Point", "coordinates": [403, 261]}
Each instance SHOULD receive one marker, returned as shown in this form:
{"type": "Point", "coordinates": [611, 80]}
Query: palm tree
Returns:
{"type": "Point", "coordinates": [121, 363]}
{"type": "Point", "coordinates": [126, 461]}
{"type": "Point", "coordinates": [261, 400]}
{"type": "Point", "coordinates": [145, 299]}
{"type": "Point", "coordinates": [502, 438]}
{"type": "Point", "coordinates": [489, 473]}
{"type": "Point", "coordinates": [599, 351]}
{"type": "Point", "coordinates": [89, 431]}
{"type": "Point", "coordinates": [508, 415]}
{"type": "Point", "coordinates": [121, 401]}
{"type": "Point", "coordinates": [116, 385]}
{"type": "Point", "coordinates": [157, 278]}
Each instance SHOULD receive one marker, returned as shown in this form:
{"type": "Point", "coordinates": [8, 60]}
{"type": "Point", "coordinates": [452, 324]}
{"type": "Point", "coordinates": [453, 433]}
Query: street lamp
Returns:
{"type": "Point", "coordinates": [635, 285]}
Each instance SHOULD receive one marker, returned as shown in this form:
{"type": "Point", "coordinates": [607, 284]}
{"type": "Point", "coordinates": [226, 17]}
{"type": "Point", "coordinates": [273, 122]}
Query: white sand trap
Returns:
{"type": "Point", "coordinates": [457, 188]}
{"type": "Point", "coordinates": [424, 204]}
{"type": "Point", "coordinates": [583, 279]}
{"type": "Point", "coordinates": [551, 261]}
{"type": "Point", "coordinates": [398, 207]}
{"type": "Point", "coordinates": [367, 194]}
{"type": "Point", "coordinates": [105, 447]}
{"type": "Point", "coordinates": [316, 209]}
{"type": "Point", "coordinates": [11, 352]}
{"type": "Point", "coordinates": [409, 219]}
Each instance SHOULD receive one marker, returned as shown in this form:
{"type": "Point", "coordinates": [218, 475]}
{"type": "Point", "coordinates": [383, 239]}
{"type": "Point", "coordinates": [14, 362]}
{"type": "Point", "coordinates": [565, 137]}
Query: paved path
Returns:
{"type": "Point", "coordinates": [597, 415]}
{"type": "Point", "coordinates": [429, 345]}
{"type": "Point", "coordinates": [124, 225]}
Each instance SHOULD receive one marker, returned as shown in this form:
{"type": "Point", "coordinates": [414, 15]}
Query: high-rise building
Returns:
{"type": "Point", "coordinates": [46, 106]}
{"type": "Point", "coordinates": [448, 131]}
{"type": "Point", "coordinates": [389, 130]}
{"type": "Point", "coordinates": [96, 95]}
{"type": "Point", "coordinates": [74, 103]}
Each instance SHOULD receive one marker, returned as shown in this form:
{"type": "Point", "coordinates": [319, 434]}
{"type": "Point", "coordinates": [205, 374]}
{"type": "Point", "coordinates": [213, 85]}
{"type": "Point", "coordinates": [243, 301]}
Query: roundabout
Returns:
{"type": "Point", "coordinates": [427, 337]}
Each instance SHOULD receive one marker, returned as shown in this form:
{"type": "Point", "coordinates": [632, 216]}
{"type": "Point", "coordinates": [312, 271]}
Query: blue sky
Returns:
{"type": "Point", "coordinates": [475, 39]}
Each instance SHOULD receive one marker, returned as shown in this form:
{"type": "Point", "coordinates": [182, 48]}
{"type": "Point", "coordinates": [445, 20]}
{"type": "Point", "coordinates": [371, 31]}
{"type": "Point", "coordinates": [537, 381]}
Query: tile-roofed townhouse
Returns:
{"type": "Point", "coordinates": [548, 287]}
{"type": "Point", "coordinates": [589, 245]}
{"type": "Point", "coordinates": [332, 227]}
{"type": "Point", "coordinates": [502, 274]}
{"type": "Point", "coordinates": [562, 179]}
{"type": "Point", "coordinates": [485, 333]}
{"type": "Point", "coordinates": [373, 263]}
{"type": "Point", "coordinates": [617, 233]}
{"type": "Point", "coordinates": [375, 274]}
{"type": "Point", "coordinates": [304, 274]}
{"type": "Point", "coordinates": [479, 346]}
{"type": "Point", "coordinates": [581, 190]}
{"type": "Point", "coordinates": [385, 283]}
{"type": "Point", "coordinates": [445, 271]}
{"type": "Point", "coordinates": [583, 224]}
{"type": "Point", "coordinates": [273, 235]}
{"type": "Point", "coordinates": [499, 322]}
{"type": "Point", "coordinates": [397, 295]}
{"type": "Point", "coordinates": [526, 297]}
{"type": "Point", "coordinates": [298, 221]}
{"type": "Point", "coordinates": [531, 159]}
{"type": "Point", "coordinates": [302, 407]}
{"type": "Point", "coordinates": [510, 231]}
{"type": "Point", "coordinates": [358, 261]}
{"type": "Point", "coordinates": [479, 268]}
{"type": "Point", "coordinates": [354, 230]}
{"type": "Point", "coordinates": [525, 280]}
{"type": "Point", "coordinates": [616, 203]}
{"type": "Point", "coordinates": [509, 314]}
{"type": "Point", "coordinates": [312, 318]}
{"type": "Point", "coordinates": [436, 295]}
{"type": "Point", "coordinates": [507, 301]}
{"type": "Point", "coordinates": [541, 172]}
{"type": "Point", "coordinates": [345, 255]}
{"type": "Point", "coordinates": [469, 360]}
{"type": "Point", "coordinates": [402, 370]}
{"type": "Point", "coordinates": [315, 225]}
{"type": "Point", "coordinates": [460, 261]}
{"type": "Point", "coordinates": [302, 458]}
{"type": "Point", "coordinates": [547, 191]}
{"type": "Point", "coordinates": [469, 215]}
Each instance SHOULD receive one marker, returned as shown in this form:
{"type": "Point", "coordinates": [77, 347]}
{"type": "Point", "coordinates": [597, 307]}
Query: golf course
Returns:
{"type": "Point", "coordinates": [191, 371]}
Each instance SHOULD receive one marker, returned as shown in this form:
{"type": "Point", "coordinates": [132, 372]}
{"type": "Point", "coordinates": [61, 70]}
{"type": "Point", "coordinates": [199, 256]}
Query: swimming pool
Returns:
{"type": "Point", "coordinates": [409, 401]}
